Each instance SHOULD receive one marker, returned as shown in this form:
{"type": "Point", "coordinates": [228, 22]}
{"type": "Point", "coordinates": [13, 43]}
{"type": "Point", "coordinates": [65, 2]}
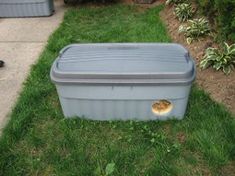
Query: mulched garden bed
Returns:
{"type": "Point", "coordinates": [216, 83]}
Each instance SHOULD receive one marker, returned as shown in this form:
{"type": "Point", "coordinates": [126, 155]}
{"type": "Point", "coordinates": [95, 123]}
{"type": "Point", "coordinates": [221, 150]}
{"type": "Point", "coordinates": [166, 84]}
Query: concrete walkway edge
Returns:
{"type": "Point", "coordinates": [21, 42]}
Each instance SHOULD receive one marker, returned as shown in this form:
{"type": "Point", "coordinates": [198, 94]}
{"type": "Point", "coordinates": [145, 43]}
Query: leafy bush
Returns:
{"type": "Point", "coordinates": [195, 29]}
{"type": "Point", "coordinates": [221, 12]}
{"type": "Point", "coordinates": [184, 11]}
{"type": "Point", "coordinates": [168, 2]}
{"type": "Point", "coordinates": [220, 59]}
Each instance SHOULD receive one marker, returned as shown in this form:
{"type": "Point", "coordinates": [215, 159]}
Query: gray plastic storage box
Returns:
{"type": "Point", "coordinates": [143, 81]}
{"type": "Point", "coordinates": [26, 8]}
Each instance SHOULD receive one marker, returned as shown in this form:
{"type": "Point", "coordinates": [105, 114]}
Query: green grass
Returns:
{"type": "Point", "coordinates": [39, 141]}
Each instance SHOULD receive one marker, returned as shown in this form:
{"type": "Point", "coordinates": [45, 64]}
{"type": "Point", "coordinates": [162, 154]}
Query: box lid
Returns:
{"type": "Point", "coordinates": [123, 63]}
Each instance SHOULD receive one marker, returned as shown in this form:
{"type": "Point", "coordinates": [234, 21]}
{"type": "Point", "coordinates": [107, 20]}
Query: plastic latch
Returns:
{"type": "Point", "coordinates": [187, 56]}
{"type": "Point", "coordinates": [63, 50]}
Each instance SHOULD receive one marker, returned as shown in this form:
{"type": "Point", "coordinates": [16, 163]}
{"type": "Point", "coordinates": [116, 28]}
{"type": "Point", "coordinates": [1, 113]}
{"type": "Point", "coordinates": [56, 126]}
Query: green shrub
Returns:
{"type": "Point", "coordinates": [220, 59]}
{"type": "Point", "coordinates": [183, 11]}
{"type": "Point", "coordinates": [222, 13]}
{"type": "Point", "coordinates": [196, 28]}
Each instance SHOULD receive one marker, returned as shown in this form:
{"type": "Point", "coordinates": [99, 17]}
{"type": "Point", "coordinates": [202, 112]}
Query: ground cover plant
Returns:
{"type": "Point", "coordinates": [39, 141]}
{"type": "Point", "coordinates": [184, 11]}
{"type": "Point", "coordinates": [220, 58]}
{"type": "Point", "coordinates": [195, 28]}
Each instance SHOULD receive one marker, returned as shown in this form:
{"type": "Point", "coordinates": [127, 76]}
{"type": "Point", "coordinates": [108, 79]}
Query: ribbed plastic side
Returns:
{"type": "Point", "coordinates": [119, 109]}
{"type": "Point", "coordinates": [45, 8]}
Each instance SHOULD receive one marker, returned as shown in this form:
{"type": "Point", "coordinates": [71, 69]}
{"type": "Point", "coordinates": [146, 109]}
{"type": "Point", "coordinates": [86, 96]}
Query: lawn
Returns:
{"type": "Point", "coordinates": [39, 141]}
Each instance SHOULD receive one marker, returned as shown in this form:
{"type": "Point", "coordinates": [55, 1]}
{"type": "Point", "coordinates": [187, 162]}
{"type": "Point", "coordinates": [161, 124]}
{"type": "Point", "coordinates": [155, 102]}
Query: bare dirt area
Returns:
{"type": "Point", "coordinates": [228, 169]}
{"type": "Point", "coordinates": [220, 87]}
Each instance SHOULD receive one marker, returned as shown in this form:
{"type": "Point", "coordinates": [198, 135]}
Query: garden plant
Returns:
{"type": "Point", "coordinates": [220, 58]}
{"type": "Point", "coordinates": [194, 29]}
{"type": "Point", "coordinates": [183, 11]}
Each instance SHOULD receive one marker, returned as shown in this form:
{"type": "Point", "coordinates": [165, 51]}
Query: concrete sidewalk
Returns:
{"type": "Point", "coordinates": [21, 42]}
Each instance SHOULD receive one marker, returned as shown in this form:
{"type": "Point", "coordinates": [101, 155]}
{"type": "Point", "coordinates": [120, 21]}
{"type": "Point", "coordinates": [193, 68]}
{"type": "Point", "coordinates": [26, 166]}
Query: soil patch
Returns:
{"type": "Point", "coordinates": [228, 169]}
{"type": "Point", "coordinates": [216, 83]}
{"type": "Point", "coordinates": [181, 137]}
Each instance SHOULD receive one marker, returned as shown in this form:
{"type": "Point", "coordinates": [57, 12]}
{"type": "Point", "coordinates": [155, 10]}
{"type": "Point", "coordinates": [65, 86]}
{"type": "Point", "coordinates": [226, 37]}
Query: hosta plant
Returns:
{"type": "Point", "coordinates": [183, 11]}
{"type": "Point", "coordinates": [196, 28]}
{"type": "Point", "coordinates": [168, 2]}
{"type": "Point", "coordinates": [220, 59]}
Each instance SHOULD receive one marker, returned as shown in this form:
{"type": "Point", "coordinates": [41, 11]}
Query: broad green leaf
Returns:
{"type": "Point", "coordinates": [217, 66]}
{"type": "Point", "coordinates": [109, 168]}
{"type": "Point", "coordinates": [181, 28]}
{"type": "Point", "coordinates": [226, 69]}
{"type": "Point", "coordinates": [232, 49]}
{"type": "Point", "coordinates": [204, 64]}
{"type": "Point", "coordinates": [98, 171]}
{"type": "Point", "coordinates": [189, 40]}
{"type": "Point", "coordinates": [226, 47]}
